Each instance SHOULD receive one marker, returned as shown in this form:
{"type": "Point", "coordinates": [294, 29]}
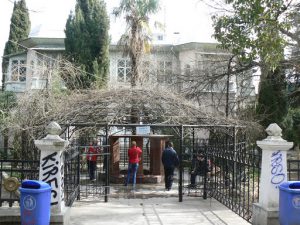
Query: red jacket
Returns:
{"type": "Point", "coordinates": [134, 154]}
{"type": "Point", "coordinates": [91, 150]}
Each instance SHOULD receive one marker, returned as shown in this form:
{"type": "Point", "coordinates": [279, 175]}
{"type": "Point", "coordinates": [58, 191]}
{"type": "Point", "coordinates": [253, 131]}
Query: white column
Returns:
{"type": "Point", "coordinates": [273, 166]}
{"type": "Point", "coordinates": [273, 173]}
{"type": "Point", "coordinates": [52, 164]}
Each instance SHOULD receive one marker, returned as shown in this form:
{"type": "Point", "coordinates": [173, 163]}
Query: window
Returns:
{"type": "Point", "coordinates": [124, 70]}
{"type": "Point", "coordinates": [18, 70]}
{"type": "Point", "coordinates": [187, 70]}
{"type": "Point", "coordinates": [208, 64]}
{"type": "Point", "coordinates": [45, 66]}
{"type": "Point", "coordinates": [164, 72]}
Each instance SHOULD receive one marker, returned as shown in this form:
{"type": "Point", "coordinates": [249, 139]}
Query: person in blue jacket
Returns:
{"type": "Point", "coordinates": [170, 161]}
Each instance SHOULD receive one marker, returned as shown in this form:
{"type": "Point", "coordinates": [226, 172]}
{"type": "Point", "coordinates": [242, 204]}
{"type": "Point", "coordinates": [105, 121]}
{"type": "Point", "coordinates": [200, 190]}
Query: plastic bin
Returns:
{"type": "Point", "coordinates": [289, 203]}
{"type": "Point", "coordinates": [35, 202]}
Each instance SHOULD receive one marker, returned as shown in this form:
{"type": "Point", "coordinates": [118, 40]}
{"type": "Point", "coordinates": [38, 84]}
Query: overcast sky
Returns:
{"type": "Point", "coordinates": [189, 18]}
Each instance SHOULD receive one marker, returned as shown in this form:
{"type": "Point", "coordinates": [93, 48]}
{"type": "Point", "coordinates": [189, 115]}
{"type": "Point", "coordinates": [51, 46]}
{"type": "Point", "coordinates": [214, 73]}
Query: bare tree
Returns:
{"type": "Point", "coordinates": [219, 83]}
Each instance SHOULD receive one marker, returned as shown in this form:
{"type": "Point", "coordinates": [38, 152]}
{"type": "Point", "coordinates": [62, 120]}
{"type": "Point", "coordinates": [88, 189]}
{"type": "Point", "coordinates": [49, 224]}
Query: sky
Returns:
{"type": "Point", "coordinates": [189, 19]}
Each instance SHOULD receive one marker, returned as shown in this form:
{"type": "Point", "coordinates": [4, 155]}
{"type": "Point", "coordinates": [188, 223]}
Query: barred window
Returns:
{"type": "Point", "coordinates": [187, 70]}
{"type": "Point", "coordinates": [45, 66]}
{"type": "Point", "coordinates": [124, 70]}
{"type": "Point", "coordinates": [164, 71]}
{"type": "Point", "coordinates": [18, 70]}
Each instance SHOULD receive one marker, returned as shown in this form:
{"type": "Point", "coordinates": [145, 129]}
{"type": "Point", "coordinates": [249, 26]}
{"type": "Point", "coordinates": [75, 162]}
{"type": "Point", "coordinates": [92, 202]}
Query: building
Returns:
{"type": "Point", "coordinates": [193, 68]}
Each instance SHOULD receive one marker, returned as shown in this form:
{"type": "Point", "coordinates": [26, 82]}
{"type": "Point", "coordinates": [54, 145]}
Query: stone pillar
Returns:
{"type": "Point", "coordinates": [273, 173]}
{"type": "Point", "coordinates": [52, 164]}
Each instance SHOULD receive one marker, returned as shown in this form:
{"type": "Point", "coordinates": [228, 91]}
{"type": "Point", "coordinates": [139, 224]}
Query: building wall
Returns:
{"type": "Point", "coordinates": [151, 67]}
{"type": "Point", "coordinates": [165, 65]}
{"type": "Point", "coordinates": [39, 67]}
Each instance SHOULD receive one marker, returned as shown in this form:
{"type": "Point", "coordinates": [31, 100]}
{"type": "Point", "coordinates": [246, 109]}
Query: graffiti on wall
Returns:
{"type": "Point", "coordinates": [51, 175]}
{"type": "Point", "coordinates": [277, 173]}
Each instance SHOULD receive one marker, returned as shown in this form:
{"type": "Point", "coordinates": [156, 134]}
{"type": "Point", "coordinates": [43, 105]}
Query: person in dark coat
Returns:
{"type": "Point", "coordinates": [200, 167]}
{"type": "Point", "coordinates": [170, 161]}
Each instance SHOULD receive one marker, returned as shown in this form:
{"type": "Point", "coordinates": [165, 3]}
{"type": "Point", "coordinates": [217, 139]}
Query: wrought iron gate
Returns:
{"type": "Point", "coordinates": [233, 176]}
{"type": "Point", "coordinates": [78, 183]}
{"type": "Point", "coordinates": [72, 175]}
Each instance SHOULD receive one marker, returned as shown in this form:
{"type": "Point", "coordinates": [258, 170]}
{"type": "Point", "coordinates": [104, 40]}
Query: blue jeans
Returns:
{"type": "Point", "coordinates": [91, 169]}
{"type": "Point", "coordinates": [132, 169]}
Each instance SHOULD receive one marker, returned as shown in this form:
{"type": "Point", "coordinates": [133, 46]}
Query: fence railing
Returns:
{"type": "Point", "coordinates": [12, 173]}
{"type": "Point", "coordinates": [71, 175]}
{"type": "Point", "coordinates": [233, 179]}
{"type": "Point", "coordinates": [293, 169]}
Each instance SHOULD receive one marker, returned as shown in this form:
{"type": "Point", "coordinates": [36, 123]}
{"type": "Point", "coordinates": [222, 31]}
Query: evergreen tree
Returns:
{"type": "Point", "coordinates": [291, 126]}
{"type": "Point", "coordinates": [272, 102]}
{"type": "Point", "coordinates": [87, 41]}
{"type": "Point", "coordinates": [19, 30]}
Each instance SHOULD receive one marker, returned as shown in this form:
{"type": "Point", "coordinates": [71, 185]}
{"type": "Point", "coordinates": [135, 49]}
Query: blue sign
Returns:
{"type": "Point", "coordinates": [143, 130]}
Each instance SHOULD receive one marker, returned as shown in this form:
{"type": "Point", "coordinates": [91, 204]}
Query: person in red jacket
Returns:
{"type": "Point", "coordinates": [91, 158]}
{"type": "Point", "coordinates": [134, 155]}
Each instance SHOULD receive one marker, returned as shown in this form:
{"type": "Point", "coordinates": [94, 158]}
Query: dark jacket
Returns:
{"type": "Point", "coordinates": [200, 167]}
{"type": "Point", "coordinates": [169, 158]}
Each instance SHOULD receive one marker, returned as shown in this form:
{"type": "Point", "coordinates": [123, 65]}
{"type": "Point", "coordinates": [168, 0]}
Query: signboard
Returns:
{"type": "Point", "coordinates": [143, 130]}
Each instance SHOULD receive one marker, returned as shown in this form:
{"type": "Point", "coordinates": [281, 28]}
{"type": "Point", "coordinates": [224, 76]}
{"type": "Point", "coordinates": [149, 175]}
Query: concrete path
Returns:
{"type": "Point", "coordinates": [163, 208]}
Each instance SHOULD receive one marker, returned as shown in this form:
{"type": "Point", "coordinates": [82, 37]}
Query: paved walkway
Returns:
{"type": "Point", "coordinates": [151, 207]}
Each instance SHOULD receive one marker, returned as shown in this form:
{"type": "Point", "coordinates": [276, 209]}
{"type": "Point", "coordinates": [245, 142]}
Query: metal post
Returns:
{"type": "Point", "coordinates": [180, 164]}
{"type": "Point", "coordinates": [227, 92]}
{"type": "Point", "coordinates": [78, 173]}
{"type": "Point", "coordinates": [205, 174]}
{"type": "Point", "coordinates": [234, 175]}
{"type": "Point", "coordinates": [193, 140]}
{"type": "Point", "coordinates": [106, 158]}
{"type": "Point", "coordinates": [23, 149]}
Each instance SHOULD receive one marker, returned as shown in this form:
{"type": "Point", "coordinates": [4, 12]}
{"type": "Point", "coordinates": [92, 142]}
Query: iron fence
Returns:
{"type": "Point", "coordinates": [12, 173]}
{"type": "Point", "coordinates": [293, 169]}
{"type": "Point", "coordinates": [79, 182]}
{"type": "Point", "coordinates": [233, 176]}
{"type": "Point", "coordinates": [71, 175]}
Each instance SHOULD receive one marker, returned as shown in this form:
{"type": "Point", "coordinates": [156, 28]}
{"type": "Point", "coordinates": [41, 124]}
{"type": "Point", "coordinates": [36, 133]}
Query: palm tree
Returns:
{"type": "Point", "coordinates": [137, 36]}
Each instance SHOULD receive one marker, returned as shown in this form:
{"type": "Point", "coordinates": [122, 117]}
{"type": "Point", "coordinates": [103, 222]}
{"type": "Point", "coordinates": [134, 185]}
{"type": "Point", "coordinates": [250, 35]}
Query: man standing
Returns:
{"type": "Point", "coordinates": [91, 156]}
{"type": "Point", "coordinates": [170, 161]}
{"type": "Point", "coordinates": [134, 155]}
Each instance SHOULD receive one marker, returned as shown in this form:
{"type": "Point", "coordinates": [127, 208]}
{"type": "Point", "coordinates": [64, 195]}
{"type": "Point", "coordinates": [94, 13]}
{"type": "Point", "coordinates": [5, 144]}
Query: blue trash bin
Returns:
{"type": "Point", "coordinates": [289, 203]}
{"type": "Point", "coordinates": [35, 202]}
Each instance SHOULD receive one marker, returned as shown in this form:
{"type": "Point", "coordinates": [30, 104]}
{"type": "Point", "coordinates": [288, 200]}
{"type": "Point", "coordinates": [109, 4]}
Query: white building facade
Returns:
{"type": "Point", "coordinates": [185, 66]}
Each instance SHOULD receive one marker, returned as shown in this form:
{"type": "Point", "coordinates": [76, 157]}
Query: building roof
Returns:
{"type": "Point", "coordinates": [45, 43]}
{"type": "Point", "coordinates": [57, 44]}
{"type": "Point", "coordinates": [200, 46]}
